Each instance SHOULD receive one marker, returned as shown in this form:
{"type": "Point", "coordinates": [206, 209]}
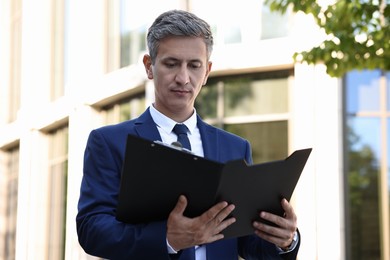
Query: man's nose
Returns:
{"type": "Point", "coordinates": [182, 76]}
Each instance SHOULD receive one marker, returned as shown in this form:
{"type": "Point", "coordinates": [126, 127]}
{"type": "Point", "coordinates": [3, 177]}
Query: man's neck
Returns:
{"type": "Point", "coordinates": [178, 116]}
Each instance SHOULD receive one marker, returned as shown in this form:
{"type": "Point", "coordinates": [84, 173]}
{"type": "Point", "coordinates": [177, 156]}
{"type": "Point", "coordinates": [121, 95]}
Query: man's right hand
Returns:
{"type": "Point", "coordinates": [184, 232]}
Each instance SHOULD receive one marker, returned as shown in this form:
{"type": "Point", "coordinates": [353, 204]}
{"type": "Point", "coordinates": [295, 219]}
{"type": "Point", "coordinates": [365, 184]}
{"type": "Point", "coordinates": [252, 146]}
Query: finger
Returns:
{"type": "Point", "coordinates": [288, 222]}
{"type": "Point", "coordinates": [281, 242]}
{"type": "Point", "coordinates": [277, 220]}
{"type": "Point", "coordinates": [213, 211]}
{"type": "Point", "coordinates": [180, 205]}
{"type": "Point", "coordinates": [280, 235]}
{"type": "Point", "coordinates": [224, 213]}
{"type": "Point", "coordinates": [217, 235]}
{"type": "Point", "coordinates": [224, 224]}
{"type": "Point", "coordinates": [283, 230]}
{"type": "Point", "coordinates": [220, 222]}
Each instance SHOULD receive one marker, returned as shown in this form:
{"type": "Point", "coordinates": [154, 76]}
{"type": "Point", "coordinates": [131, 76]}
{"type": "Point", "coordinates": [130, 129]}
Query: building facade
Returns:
{"type": "Point", "coordinates": [69, 66]}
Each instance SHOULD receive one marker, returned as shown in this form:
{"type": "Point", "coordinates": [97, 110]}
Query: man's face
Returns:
{"type": "Point", "coordinates": [180, 70]}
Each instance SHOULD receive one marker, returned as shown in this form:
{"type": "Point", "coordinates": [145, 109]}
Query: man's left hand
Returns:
{"type": "Point", "coordinates": [282, 235]}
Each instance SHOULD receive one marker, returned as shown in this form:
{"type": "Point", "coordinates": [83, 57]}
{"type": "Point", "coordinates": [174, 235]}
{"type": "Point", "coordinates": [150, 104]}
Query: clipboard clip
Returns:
{"type": "Point", "coordinates": [175, 145]}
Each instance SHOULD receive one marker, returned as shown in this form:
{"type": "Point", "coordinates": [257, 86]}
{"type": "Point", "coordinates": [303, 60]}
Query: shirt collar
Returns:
{"type": "Point", "coordinates": [167, 124]}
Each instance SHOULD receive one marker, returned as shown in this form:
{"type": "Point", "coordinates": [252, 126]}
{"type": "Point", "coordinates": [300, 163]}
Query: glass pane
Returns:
{"type": "Point", "coordinates": [109, 116]}
{"type": "Point", "coordinates": [363, 153]}
{"type": "Point", "coordinates": [124, 111]}
{"type": "Point", "coordinates": [362, 91]}
{"type": "Point", "coordinates": [58, 170]}
{"type": "Point", "coordinates": [242, 21]}
{"type": "Point", "coordinates": [273, 24]}
{"type": "Point", "coordinates": [245, 96]}
{"type": "Point", "coordinates": [226, 27]}
{"type": "Point", "coordinates": [57, 203]}
{"type": "Point", "coordinates": [262, 136]}
{"type": "Point", "coordinates": [131, 109]}
{"type": "Point", "coordinates": [206, 102]}
{"type": "Point", "coordinates": [134, 22]}
{"type": "Point", "coordinates": [233, 34]}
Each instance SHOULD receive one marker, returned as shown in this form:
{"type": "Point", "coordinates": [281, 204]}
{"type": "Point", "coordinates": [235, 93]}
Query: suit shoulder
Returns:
{"type": "Point", "coordinates": [111, 128]}
{"type": "Point", "coordinates": [125, 126]}
{"type": "Point", "coordinates": [225, 135]}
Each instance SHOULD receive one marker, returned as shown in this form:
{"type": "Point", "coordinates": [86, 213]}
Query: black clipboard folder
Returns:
{"type": "Point", "coordinates": [154, 175]}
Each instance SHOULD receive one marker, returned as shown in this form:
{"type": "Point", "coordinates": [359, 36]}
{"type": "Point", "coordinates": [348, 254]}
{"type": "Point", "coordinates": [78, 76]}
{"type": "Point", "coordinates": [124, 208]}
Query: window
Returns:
{"type": "Point", "coordinates": [134, 23]}
{"type": "Point", "coordinates": [245, 21]}
{"type": "Point", "coordinates": [254, 106]}
{"type": "Point", "coordinates": [11, 202]}
{"type": "Point", "coordinates": [262, 136]}
{"type": "Point", "coordinates": [126, 109]}
{"type": "Point", "coordinates": [239, 22]}
{"type": "Point", "coordinates": [15, 59]}
{"type": "Point", "coordinates": [133, 33]}
{"type": "Point", "coordinates": [58, 176]}
{"type": "Point", "coordinates": [273, 24]}
{"type": "Point", "coordinates": [367, 163]}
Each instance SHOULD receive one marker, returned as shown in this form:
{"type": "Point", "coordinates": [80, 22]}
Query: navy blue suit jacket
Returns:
{"type": "Point", "coordinates": [99, 232]}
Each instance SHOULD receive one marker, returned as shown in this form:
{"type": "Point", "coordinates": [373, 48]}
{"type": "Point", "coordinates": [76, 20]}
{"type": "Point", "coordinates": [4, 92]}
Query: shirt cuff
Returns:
{"type": "Point", "coordinates": [170, 249]}
{"type": "Point", "coordinates": [293, 245]}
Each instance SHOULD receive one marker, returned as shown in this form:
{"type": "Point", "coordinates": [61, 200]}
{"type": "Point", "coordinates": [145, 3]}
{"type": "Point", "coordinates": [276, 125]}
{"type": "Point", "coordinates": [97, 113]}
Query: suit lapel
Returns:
{"type": "Point", "coordinates": [146, 128]}
{"type": "Point", "coordinates": [209, 140]}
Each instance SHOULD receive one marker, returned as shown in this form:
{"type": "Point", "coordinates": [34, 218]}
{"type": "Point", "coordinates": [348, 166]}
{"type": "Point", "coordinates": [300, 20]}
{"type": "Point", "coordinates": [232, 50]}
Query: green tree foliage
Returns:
{"type": "Point", "coordinates": [358, 33]}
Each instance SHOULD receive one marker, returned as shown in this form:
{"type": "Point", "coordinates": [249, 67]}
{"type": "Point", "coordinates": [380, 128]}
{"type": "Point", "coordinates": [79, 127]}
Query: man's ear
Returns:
{"type": "Point", "coordinates": [148, 66]}
{"type": "Point", "coordinates": [209, 65]}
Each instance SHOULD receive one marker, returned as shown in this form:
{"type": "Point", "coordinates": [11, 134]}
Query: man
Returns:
{"type": "Point", "coordinates": [180, 46]}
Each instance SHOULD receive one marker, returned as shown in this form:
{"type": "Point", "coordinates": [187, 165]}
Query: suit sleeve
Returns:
{"type": "Point", "coordinates": [99, 233]}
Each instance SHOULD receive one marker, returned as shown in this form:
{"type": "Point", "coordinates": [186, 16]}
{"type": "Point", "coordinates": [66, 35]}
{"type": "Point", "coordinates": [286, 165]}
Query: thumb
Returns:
{"type": "Point", "coordinates": [180, 205]}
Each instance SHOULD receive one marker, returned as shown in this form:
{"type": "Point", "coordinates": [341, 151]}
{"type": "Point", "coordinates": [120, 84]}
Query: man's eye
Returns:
{"type": "Point", "coordinates": [170, 64]}
{"type": "Point", "coordinates": [195, 65]}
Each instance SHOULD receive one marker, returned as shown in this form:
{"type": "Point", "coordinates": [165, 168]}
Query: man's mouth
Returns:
{"type": "Point", "coordinates": [181, 91]}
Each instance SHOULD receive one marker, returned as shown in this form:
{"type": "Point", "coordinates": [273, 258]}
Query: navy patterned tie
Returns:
{"type": "Point", "coordinates": [181, 131]}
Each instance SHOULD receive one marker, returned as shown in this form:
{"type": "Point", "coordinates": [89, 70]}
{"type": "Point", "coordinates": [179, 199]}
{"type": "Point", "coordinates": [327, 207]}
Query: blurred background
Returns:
{"type": "Point", "coordinates": [69, 66]}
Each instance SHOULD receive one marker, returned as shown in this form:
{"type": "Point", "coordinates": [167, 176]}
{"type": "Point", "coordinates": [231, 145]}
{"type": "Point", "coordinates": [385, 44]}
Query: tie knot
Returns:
{"type": "Point", "coordinates": [180, 129]}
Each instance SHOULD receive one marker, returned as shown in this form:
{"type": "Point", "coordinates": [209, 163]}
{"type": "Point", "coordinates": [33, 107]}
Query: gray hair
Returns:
{"type": "Point", "coordinates": [178, 23]}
